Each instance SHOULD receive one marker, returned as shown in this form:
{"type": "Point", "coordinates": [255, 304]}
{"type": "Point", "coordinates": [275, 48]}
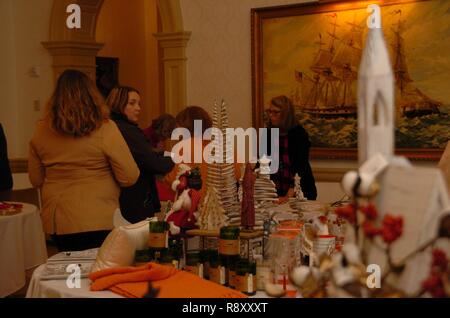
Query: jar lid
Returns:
{"type": "Point", "coordinates": [229, 232]}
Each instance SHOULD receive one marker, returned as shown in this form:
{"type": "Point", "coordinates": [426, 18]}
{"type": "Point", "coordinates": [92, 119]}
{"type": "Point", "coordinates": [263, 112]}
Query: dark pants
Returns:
{"type": "Point", "coordinates": [79, 241]}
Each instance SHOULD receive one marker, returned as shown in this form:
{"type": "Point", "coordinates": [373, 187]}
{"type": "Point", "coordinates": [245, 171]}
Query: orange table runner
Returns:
{"type": "Point", "coordinates": [132, 282]}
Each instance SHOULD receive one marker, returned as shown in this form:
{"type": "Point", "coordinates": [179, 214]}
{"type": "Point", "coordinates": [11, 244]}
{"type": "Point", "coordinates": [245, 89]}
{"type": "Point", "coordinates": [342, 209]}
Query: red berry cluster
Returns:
{"type": "Point", "coordinates": [391, 228]}
{"type": "Point", "coordinates": [434, 284]}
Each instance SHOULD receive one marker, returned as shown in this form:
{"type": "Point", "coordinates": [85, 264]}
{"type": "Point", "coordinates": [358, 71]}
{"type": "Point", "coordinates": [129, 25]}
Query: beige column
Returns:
{"type": "Point", "coordinates": [74, 55]}
{"type": "Point", "coordinates": [74, 48]}
{"type": "Point", "coordinates": [173, 46]}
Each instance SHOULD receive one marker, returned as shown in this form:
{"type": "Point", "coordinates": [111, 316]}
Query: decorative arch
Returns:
{"type": "Point", "coordinates": [77, 48]}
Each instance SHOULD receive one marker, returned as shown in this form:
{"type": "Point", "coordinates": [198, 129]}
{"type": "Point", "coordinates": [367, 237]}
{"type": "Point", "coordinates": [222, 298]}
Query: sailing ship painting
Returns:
{"type": "Point", "coordinates": [317, 67]}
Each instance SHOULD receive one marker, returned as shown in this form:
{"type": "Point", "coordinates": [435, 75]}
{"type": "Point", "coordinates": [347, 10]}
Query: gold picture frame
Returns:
{"type": "Point", "coordinates": [287, 43]}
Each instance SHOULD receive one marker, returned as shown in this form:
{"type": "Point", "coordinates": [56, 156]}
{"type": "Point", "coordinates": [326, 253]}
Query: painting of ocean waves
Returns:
{"type": "Point", "coordinates": [429, 131]}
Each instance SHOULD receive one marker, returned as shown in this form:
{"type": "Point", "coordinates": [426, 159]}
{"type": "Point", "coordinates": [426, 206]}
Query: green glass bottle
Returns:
{"type": "Point", "coordinates": [159, 235]}
{"type": "Point", "coordinates": [204, 260]}
{"type": "Point", "coordinates": [232, 270]}
{"type": "Point", "coordinates": [205, 257]}
{"type": "Point", "coordinates": [216, 270]}
{"type": "Point", "coordinates": [176, 249]}
{"type": "Point", "coordinates": [229, 240]}
{"type": "Point", "coordinates": [245, 280]}
{"type": "Point", "coordinates": [194, 264]}
{"type": "Point", "coordinates": [141, 257]}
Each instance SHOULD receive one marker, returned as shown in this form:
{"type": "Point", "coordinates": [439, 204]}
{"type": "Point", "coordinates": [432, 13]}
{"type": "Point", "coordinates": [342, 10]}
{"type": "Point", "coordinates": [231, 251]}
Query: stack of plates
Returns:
{"type": "Point", "coordinates": [63, 264]}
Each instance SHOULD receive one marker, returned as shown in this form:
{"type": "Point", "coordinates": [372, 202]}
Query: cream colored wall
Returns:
{"type": "Point", "coordinates": [127, 32]}
{"type": "Point", "coordinates": [219, 54]}
{"type": "Point", "coordinates": [24, 24]}
{"type": "Point", "coordinates": [8, 108]}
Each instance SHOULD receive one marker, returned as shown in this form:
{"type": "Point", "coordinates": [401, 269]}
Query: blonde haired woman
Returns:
{"type": "Point", "coordinates": [79, 159]}
{"type": "Point", "coordinates": [293, 145]}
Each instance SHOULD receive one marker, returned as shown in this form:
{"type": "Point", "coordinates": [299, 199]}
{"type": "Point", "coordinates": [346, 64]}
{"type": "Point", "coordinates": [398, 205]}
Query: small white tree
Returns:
{"type": "Point", "coordinates": [212, 215]}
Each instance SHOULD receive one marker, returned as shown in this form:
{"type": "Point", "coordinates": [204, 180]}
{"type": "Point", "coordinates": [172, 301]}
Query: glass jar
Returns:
{"type": "Point", "coordinates": [167, 258]}
{"type": "Point", "coordinates": [205, 256]}
{"type": "Point", "coordinates": [194, 264]}
{"type": "Point", "coordinates": [245, 280]}
{"type": "Point", "coordinates": [176, 247]}
{"type": "Point", "coordinates": [159, 236]}
{"type": "Point", "coordinates": [264, 273]}
{"type": "Point", "coordinates": [229, 240]}
{"type": "Point", "coordinates": [141, 257]}
{"type": "Point", "coordinates": [203, 259]}
{"type": "Point", "coordinates": [232, 271]}
{"type": "Point", "coordinates": [216, 270]}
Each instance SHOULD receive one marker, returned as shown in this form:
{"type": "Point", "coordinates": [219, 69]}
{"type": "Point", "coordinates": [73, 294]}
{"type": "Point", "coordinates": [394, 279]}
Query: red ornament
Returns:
{"type": "Point", "coordinates": [370, 230]}
{"type": "Point", "coordinates": [440, 260]}
{"type": "Point", "coordinates": [370, 211]}
{"type": "Point", "coordinates": [392, 228]}
{"type": "Point", "coordinates": [434, 286]}
{"type": "Point", "coordinates": [347, 212]}
{"type": "Point", "coordinates": [323, 219]}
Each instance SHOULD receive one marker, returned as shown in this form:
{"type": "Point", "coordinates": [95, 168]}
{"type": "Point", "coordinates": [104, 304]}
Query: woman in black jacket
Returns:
{"type": "Point", "coordinates": [6, 182]}
{"type": "Point", "coordinates": [293, 145]}
{"type": "Point", "coordinates": [141, 200]}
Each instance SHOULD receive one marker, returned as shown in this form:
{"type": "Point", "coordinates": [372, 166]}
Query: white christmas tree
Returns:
{"type": "Point", "coordinates": [221, 172]}
{"type": "Point", "coordinates": [212, 215]}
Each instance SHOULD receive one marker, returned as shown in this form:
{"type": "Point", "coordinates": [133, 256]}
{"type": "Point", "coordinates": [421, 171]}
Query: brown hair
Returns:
{"type": "Point", "coordinates": [164, 125]}
{"type": "Point", "coordinates": [287, 112]}
{"type": "Point", "coordinates": [186, 118]}
{"type": "Point", "coordinates": [76, 107]}
{"type": "Point", "coordinates": [118, 98]}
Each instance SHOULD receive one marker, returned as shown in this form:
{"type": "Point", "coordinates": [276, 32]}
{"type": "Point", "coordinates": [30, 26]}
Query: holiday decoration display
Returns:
{"type": "Point", "coordinates": [265, 193]}
{"type": "Point", "coordinates": [211, 213]}
{"type": "Point", "coordinates": [221, 171]}
{"type": "Point", "coordinates": [248, 202]}
{"type": "Point", "coordinates": [183, 213]}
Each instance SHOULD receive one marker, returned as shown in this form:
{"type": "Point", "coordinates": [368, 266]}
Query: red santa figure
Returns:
{"type": "Point", "coordinates": [182, 215]}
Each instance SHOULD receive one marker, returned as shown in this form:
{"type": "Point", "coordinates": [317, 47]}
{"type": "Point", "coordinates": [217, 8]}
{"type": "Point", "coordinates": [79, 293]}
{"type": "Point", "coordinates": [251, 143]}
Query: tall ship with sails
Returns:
{"type": "Point", "coordinates": [410, 101]}
{"type": "Point", "coordinates": [329, 91]}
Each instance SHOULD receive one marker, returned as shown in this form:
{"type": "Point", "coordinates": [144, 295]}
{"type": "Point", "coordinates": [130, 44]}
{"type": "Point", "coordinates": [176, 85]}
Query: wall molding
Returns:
{"type": "Point", "coordinates": [73, 54]}
{"type": "Point", "coordinates": [322, 174]}
{"type": "Point", "coordinates": [20, 165]}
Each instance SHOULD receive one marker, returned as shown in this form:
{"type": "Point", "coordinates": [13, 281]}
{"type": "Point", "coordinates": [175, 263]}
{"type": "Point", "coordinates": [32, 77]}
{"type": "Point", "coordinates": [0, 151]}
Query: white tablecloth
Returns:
{"type": "Point", "coordinates": [58, 288]}
{"type": "Point", "coordinates": [22, 246]}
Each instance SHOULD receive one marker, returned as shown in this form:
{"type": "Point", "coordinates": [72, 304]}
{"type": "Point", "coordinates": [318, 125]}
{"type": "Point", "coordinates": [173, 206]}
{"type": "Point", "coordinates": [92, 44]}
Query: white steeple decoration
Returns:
{"type": "Point", "coordinates": [375, 97]}
{"type": "Point", "coordinates": [265, 193]}
{"type": "Point", "coordinates": [418, 194]}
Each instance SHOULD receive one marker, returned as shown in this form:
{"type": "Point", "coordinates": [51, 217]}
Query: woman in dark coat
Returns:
{"type": "Point", "coordinates": [141, 200]}
{"type": "Point", "coordinates": [293, 145]}
{"type": "Point", "coordinates": [6, 182]}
